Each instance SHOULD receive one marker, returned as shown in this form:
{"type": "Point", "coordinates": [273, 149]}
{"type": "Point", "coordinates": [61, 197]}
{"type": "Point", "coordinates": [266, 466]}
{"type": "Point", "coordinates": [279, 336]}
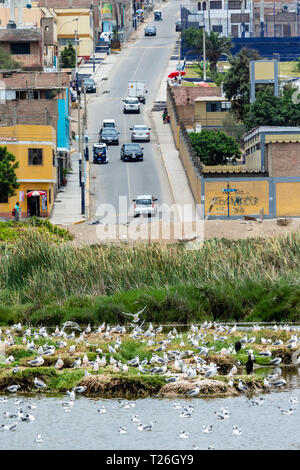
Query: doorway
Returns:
{"type": "Point", "coordinates": [33, 205]}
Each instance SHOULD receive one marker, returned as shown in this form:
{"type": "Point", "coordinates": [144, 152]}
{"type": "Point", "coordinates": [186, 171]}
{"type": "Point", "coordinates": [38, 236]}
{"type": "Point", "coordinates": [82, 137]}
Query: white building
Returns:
{"type": "Point", "coordinates": [227, 17]}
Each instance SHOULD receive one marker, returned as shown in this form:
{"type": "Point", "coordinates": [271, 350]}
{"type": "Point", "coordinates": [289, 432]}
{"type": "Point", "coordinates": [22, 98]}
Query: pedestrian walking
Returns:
{"type": "Point", "coordinates": [17, 211]}
{"type": "Point", "coordinates": [164, 115]}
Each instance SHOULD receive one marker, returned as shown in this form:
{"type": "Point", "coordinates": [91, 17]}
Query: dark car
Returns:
{"type": "Point", "coordinates": [150, 31]}
{"type": "Point", "coordinates": [90, 85]}
{"type": "Point", "coordinates": [178, 25]}
{"type": "Point", "coordinates": [132, 152]}
{"type": "Point", "coordinates": [109, 136]}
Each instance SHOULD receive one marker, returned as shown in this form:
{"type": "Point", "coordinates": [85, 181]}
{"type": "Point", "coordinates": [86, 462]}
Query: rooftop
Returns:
{"type": "Point", "coordinates": [211, 98]}
{"type": "Point", "coordinates": [187, 95]}
{"type": "Point", "coordinates": [20, 35]}
{"type": "Point", "coordinates": [272, 129]}
{"type": "Point", "coordinates": [20, 80]}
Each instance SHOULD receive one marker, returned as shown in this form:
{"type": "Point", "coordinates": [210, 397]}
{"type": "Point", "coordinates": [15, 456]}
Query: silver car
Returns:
{"type": "Point", "coordinates": [145, 205]}
{"type": "Point", "coordinates": [131, 105]}
{"type": "Point", "coordinates": [140, 132]}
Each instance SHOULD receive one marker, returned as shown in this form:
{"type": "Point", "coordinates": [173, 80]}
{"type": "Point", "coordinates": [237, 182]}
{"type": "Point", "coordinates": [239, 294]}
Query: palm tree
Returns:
{"type": "Point", "coordinates": [216, 46]}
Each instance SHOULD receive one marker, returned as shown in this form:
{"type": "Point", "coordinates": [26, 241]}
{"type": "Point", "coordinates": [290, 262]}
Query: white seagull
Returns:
{"type": "Point", "coordinates": [136, 316]}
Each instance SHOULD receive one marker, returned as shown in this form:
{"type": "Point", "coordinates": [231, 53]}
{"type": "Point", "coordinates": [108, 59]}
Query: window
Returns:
{"type": "Point", "coordinates": [53, 158]}
{"type": "Point", "coordinates": [234, 5]}
{"type": "Point", "coordinates": [213, 107]}
{"type": "Point", "coordinates": [35, 156]}
{"type": "Point", "coordinates": [204, 6]}
{"type": "Point", "coordinates": [217, 28]}
{"type": "Point", "coordinates": [66, 41]}
{"type": "Point", "coordinates": [3, 195]}
{"type": "Point", "coordinates": [225, 105]}
{"type": "Point", "coordinates": [217, 107]}
{"type": "Point", "coordinates": [215, 5]}
{"type": "Point", "coordinates": [20, 48]}
{"type": "Point", "coordinates": [246, 28]}
{"type": "Point", "coordinates": [199, 5]}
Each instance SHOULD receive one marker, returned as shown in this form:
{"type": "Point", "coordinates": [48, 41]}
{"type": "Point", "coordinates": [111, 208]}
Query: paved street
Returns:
{"type": "Point", "coordinates": [142, 59]}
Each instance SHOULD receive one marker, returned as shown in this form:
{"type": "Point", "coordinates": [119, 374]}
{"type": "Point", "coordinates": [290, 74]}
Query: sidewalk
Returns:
{"type": "Point", "coordinates": [181, 190]}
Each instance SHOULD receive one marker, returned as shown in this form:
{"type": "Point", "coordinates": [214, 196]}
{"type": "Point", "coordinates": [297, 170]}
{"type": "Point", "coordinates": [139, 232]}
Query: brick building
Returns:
{"type": "Point", "coordinates": [275, 150]}
{"type": "Point", "coordinates": [24, 45]}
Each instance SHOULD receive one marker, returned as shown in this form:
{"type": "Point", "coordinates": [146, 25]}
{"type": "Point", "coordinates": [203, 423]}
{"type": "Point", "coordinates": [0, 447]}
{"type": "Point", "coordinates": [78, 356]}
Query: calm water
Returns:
{"type": "Point", "coordinates": [263, 427]}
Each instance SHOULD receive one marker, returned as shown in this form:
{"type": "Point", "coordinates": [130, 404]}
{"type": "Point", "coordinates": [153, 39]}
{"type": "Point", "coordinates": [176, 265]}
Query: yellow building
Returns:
{"type": "Point", "coordinates": [68, 21]}
{"type": "Point", "coordinates": [35, 149]}
{"type": "Point", "coordinates": [210, 111]}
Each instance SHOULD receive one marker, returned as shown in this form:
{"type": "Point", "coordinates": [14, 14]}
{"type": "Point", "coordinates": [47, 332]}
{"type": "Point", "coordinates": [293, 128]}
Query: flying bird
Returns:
{"type": "Point", "coordinates": [136, 316]}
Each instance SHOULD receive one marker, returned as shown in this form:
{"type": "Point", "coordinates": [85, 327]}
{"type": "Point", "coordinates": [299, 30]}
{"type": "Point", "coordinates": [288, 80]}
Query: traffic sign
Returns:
{"type": "Point", "coordinates": [229, 190]}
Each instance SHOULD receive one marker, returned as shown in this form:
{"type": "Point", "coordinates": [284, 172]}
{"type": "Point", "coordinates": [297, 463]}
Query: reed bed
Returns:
{"type": "Point", "coordinates": [255, 279]}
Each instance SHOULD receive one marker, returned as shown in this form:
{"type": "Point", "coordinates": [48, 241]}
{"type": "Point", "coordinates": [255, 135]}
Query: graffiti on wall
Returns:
{"type": "Point", "coordinates": [238, 202]}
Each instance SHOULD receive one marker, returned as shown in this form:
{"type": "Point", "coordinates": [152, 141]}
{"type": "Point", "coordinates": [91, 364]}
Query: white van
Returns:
{"type": "Point", "coordinates": [109, 123]}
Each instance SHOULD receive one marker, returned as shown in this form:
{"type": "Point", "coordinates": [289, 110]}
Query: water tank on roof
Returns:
{"type": "Point", "coordinates": [11, 25]}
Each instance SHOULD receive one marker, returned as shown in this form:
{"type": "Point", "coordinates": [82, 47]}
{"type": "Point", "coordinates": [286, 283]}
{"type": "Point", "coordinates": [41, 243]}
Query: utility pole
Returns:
{"type": "Point", "coordinates": [209, 21]}
{"type": "Point", "coordinates": [83, 164]}
{"type": "Point", "coordinates": [204, 54]}
{"type": "Point", "coordinates": [79, 137]}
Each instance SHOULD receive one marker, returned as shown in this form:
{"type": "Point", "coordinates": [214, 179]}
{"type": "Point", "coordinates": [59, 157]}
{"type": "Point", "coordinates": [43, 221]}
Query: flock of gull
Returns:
{"type": "Point", "coordinates": [191, 360]}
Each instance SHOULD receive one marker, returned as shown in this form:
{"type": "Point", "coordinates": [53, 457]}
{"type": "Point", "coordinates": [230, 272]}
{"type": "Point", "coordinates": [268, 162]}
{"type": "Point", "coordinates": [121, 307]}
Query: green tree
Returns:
{"type": "Point", "coordinates": [270, 110]}
{"type": "Point", "coordinates": [214, 147]}
{"type": "Point", "coordinates": [8, 178]}
{"type": "Point", "coordinates": [216, 45]}
{"type": "Point", "coordinates": [6, 61]}
{"type": "Point", "coordinates": [68, 57]}
{"type": "Point", "coordinates": [236, 84]}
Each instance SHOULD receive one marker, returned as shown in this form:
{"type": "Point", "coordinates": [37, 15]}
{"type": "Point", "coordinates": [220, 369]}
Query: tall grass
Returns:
{"type": "Point", "coordinates": [225, 279]}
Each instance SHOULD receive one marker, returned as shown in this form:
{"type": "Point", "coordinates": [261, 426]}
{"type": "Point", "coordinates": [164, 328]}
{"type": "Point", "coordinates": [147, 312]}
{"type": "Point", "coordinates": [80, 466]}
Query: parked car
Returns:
{"type": "Point", "coordinates": [90, 85]}
{"type": "Point", "coordinates": [178, 25]}
{"type": "Point", "coordinates": [132, 152]}
{"type": "Point", "coordinates": [100, 154]}
{"type": "Point", "coordinates": [109, 136]}
{"type": "Point", "coordinates": [145, 205]}
{"type": "Point", "coordinates": [150, 31]}
{"type": "Point", "coordinates": [140, 132]}
{"type": "Point", "coordinates": [131, 105]}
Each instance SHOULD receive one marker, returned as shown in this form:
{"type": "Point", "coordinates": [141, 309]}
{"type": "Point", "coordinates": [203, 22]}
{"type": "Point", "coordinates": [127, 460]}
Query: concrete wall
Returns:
{"type": "Point", "coordinates": [251, 196]}
{"type": "Point", "coordinates": [37, 112]}
{"type": "Point", "coordinates": [288, 199]}
{"type": "Point", "coordinates": [191, 163]}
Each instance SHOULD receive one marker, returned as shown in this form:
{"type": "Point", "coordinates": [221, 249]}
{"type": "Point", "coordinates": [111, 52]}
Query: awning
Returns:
{"type": "Point", "coordinates": [36, 193]}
